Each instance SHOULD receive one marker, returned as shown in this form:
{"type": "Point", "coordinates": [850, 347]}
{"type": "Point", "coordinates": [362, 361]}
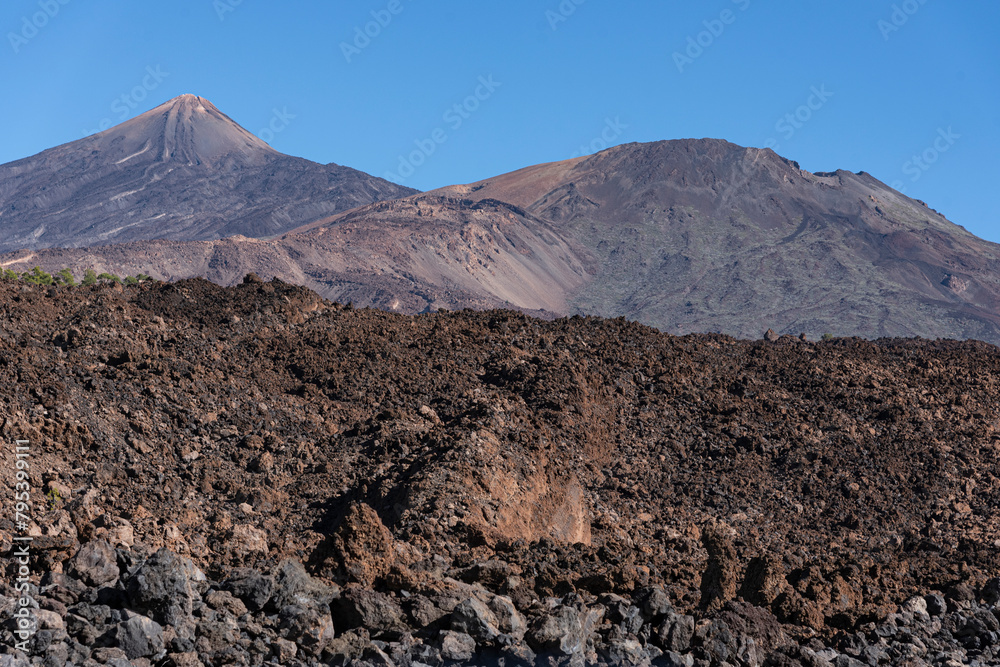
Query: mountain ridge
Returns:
{"type": "Point", "coordinates": [686, 235]}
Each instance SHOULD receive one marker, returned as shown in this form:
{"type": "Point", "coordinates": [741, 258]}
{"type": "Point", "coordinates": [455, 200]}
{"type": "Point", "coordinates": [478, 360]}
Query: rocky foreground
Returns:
{"type": "Point", "coordinates": [254, 475]}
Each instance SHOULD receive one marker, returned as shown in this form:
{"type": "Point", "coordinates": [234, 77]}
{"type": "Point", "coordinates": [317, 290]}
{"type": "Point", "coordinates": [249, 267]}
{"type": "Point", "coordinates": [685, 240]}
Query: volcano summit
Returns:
{"type": "Point", "coordinates": [182, 171]}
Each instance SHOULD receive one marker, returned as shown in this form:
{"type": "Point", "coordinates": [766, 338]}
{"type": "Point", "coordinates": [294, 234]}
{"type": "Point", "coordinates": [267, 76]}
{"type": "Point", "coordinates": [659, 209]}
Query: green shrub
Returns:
{"type": "Point", "coordinates": [66, 277]}
{"type": "Point", "coordinates": [38, 277]}
{"type": "Point", "coordinates": [89, 277]}
{"type": "Point", "coordinates": [131, 280]}
{"type": "Point", "coordinates": [9, 275]}
{"type": "Point", "coordinates": [828, 336]}
{"type": "Point", "coordinates": [109, 276]}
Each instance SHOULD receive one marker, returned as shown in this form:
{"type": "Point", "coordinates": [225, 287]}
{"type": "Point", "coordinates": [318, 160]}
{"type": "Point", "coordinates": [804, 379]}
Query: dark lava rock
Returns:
{"type": "Point", "coordinates": [361, 608]}
{"type": "Point", "coordinates": [95, 564]}
{"type": "Point", "coordinates": [140, 637]}
{"type": "Point", "coordinates": [293, 585]}
{"type": "Point", "coordinates": [251, 586]}
{"type": "Point", "coordinates": [164, 587]}
{"type": "Point", "coordinates": [457, 646]}
{"type": "Point", "coordinates": [566, 630]}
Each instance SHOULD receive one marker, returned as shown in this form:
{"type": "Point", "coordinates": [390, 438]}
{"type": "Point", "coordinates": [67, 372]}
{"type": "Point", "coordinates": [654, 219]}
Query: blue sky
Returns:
{"type": "Point", "coordinates": [431, 94]}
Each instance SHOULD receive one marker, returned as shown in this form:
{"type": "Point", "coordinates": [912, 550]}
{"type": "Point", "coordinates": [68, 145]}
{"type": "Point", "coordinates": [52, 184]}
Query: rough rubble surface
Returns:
{"type": "Point", "coordinates": [253, 475]}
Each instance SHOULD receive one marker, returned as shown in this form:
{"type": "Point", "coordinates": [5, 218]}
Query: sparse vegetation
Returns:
{"type": "Point", "coordinates": [65, 276]}
{"type": "Point", "coordinates": [54, 498]}
{"type": "Point", "coordinates": [38, 277]}
{"type": "Point", "coordinates": [828, 336]}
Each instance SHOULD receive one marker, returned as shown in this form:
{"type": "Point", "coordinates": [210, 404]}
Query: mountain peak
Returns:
{"type": "Point", "coordinates": [182, 170]}
{"type": "Point", "coordinates": [187, 129]}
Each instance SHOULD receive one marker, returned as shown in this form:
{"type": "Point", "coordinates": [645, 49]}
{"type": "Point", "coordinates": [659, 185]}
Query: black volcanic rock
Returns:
{"type": "Point", "coordinates": [849, 488]}
{"type": "Point", "coordinates": [182, 171]}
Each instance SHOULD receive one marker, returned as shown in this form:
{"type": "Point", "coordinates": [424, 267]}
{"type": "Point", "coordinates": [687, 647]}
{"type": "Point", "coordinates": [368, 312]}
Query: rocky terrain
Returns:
{"type": "Point", "coordinates": [687, 236]}
{"type": "Point", "coordinates": [183, 171]}
{"type": "Point", "coordinates": [256, 475]}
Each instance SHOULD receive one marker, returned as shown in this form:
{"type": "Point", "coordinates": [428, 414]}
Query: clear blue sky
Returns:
{"type": "Point", "coordinates": [893, 81]}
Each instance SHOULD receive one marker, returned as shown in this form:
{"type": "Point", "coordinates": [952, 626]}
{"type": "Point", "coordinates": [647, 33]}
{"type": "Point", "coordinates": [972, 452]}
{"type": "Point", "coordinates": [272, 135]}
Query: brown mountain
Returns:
{"type": "Point", "coordinates": [411, 255]}
{"type": "Point", "coordinates": [182, 171]}
{"type": "Point", "coordinates": [704, 235]}
{"type": "Point", "coordinates": [688, 235]}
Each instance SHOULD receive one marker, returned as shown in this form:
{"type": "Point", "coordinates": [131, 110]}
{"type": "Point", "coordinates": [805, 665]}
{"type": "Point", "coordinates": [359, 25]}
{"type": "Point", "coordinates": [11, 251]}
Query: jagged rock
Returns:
{"type": "Point", "coordinates": [991, 591]}
{"type": "Point", "coordinates": [674, 633]}
{"type": "Point", "coordinates": [457, 646]}
{"type": "Point", "coordinates": [308, 624]}
{"type": "Point", "coordinates": [348, 646]}
{"type": "Point", "coordinates": [720, 643]}
{"type": "Point", "coordinates": [164, 588]}
{"type": "Point", "coordinates": [755, 622]}
{"type": "Point", "coordinates": [187, 659]}
{"type": "Point", "coordinates": [61, 587]}
{"type": "Point", "coordinates": [763, 581]}
{"type": "Point", "coordinates": [509, 620]}
{"type": "Point", "coordinates": [423, 612]}
{"type": "Point", "coordinates": [368, 609]}
{"type": "Point", "coordinates": [95, 564]}
{"type": "Point", "coordinates": [226, 602]}
{"type": "Point", "coordinates": [719, 581]}
{"type": "Point", "coordinates": [654, 601]}
{"type": "Point", "coordinates": [567, 629]}
{"type": "Point", "coordinates": [293, 585]}
{"type": "Point", "coordinates": [251, 586]}
{"type": "Point", "coordinates": [108, 655]}
{"type": "Point", "coordinates": [493, 574]}
{"type": "Point", "coordinates": [795, 446]}
{"type": "Point", "coordinates": [622, 613]}
{"type": "Point", "coordinates": [672, 659]}
{"type": "Point", "coordinates": [363, 546]}
{"type": "Point", "coordinates": [216, 634]}
{"type": "Point", "coordinates": [244, 541]}
{"type": "Point", "coordinates": [627, 653]}
{"type": "Point", "coordinates": [139, 637]}
{"type": "Point", "coordinates": [518, 654]}
{"type": "Point", "coordinates": [476, 620]}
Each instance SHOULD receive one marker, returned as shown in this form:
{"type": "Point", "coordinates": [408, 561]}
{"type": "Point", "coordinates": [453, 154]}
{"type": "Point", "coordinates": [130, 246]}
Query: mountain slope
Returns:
{"type": "Point", "coordinates": [703, 235]}
{"type": "Point", "coordinates": [182, 171]}
{"type": "Point", "coordinates": [686, 236]}
{"type": "Point", "coordinates": [410, 255]}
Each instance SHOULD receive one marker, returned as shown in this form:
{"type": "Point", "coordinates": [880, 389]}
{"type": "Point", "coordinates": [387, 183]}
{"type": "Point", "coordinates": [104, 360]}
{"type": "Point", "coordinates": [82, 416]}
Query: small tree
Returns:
{"type": "Point", "coordinates": [89, 277]}
{"type": "Point", "coordinates": [131, 280]}
{"type": "Point", "coordinates": [38, 277]}
{"type": "Point", "coordinates": [65, 276]}
{"type": "Point", "coordinates": [109, 276]}
{"type": "Point", "coordinates": [828, 336]}
{"type": "Point", "coordinates": [9, 275]}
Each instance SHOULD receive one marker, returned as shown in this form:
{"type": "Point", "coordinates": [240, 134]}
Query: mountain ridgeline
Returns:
{"type": "Point", "coordinates": [686, 235]}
